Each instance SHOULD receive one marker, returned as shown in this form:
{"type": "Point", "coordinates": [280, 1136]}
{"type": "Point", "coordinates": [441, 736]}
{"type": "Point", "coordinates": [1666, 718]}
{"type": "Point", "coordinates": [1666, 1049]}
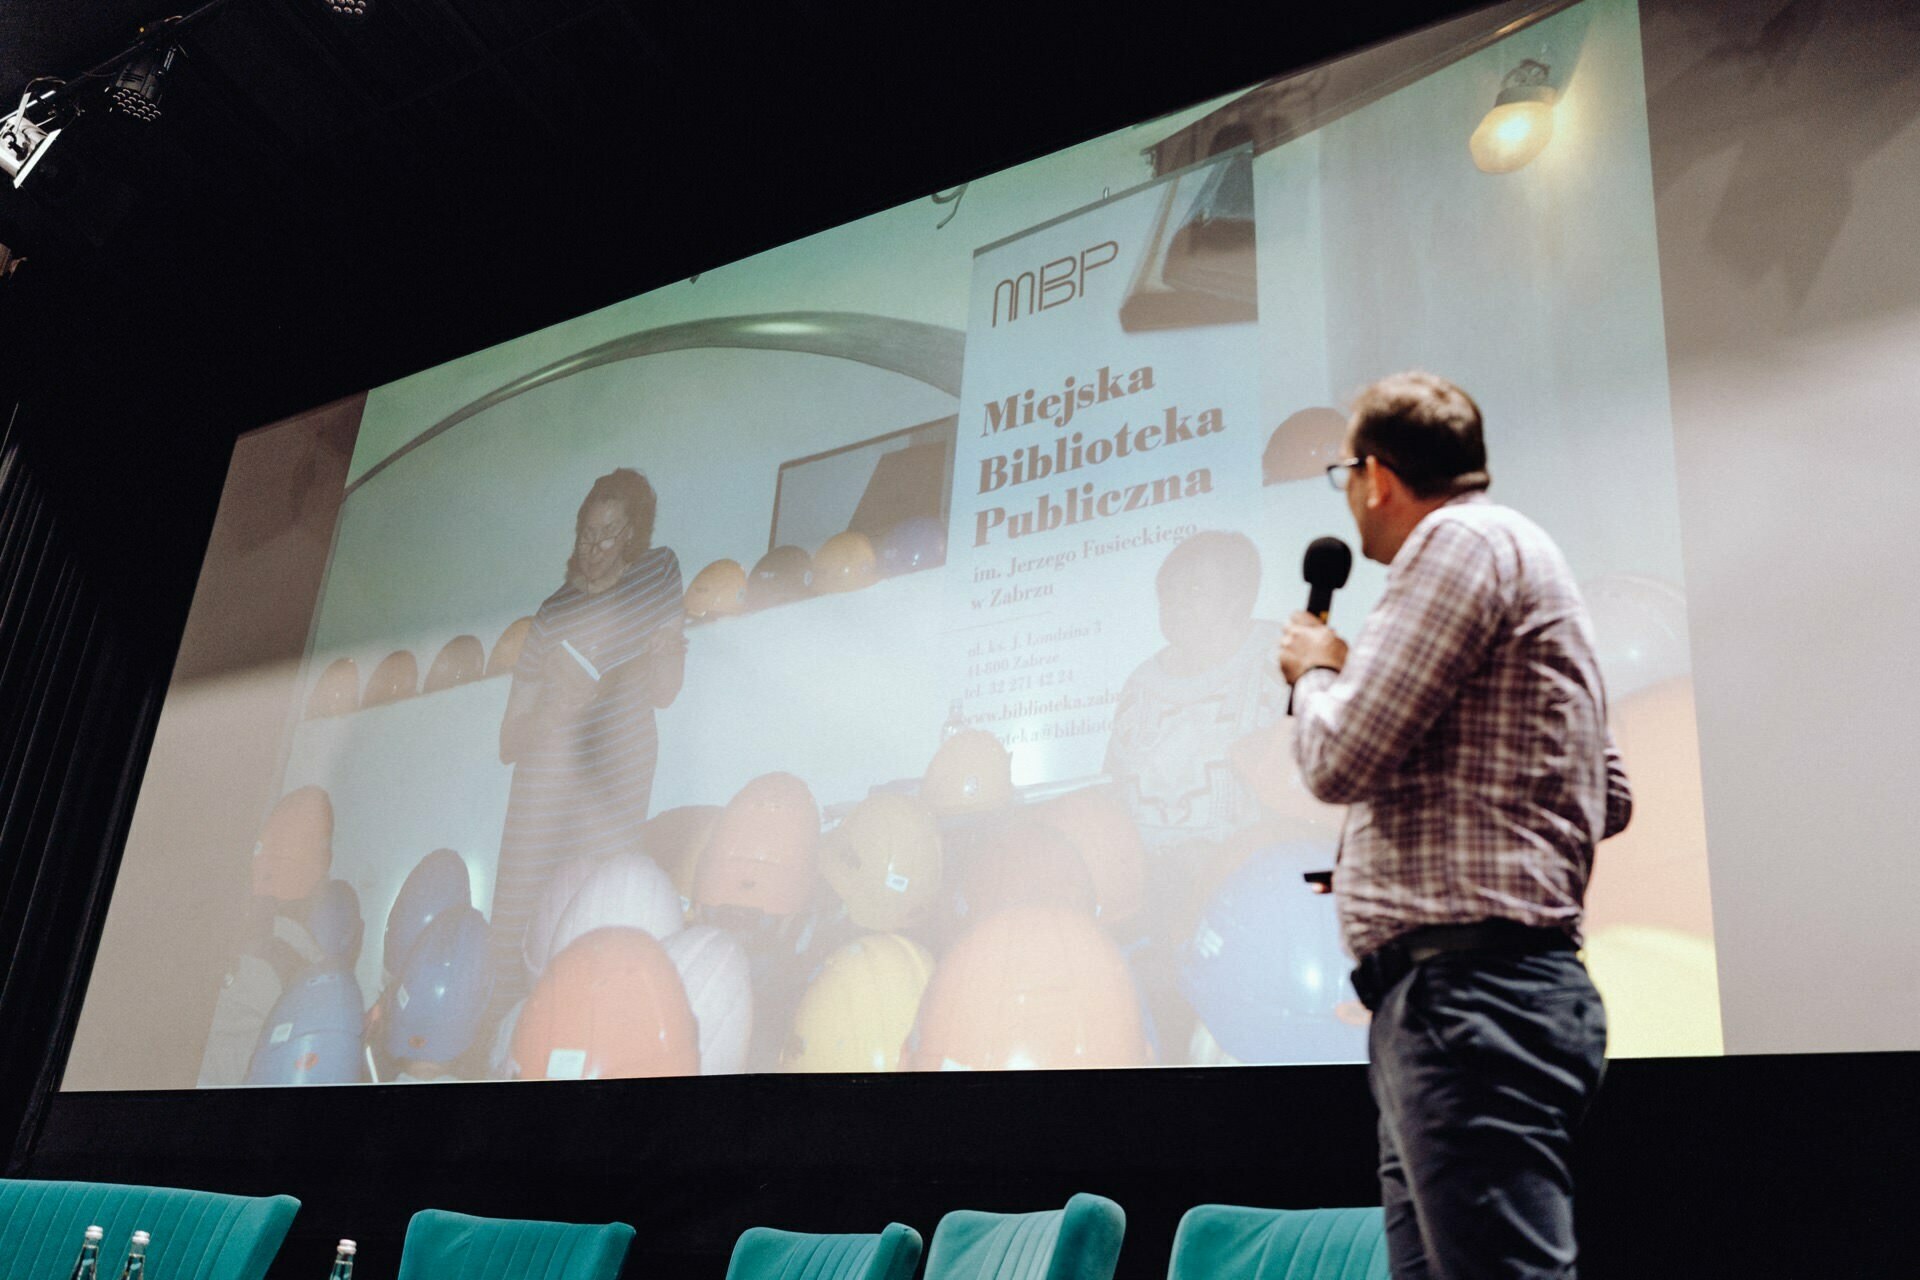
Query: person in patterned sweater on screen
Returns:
{"type": "Point", "coordinates": [1467, 730]}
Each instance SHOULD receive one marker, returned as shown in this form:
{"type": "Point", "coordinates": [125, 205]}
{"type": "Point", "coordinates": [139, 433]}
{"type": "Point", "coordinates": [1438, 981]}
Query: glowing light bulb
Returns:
{"type": "Point", "coordinates": [1511, 135]}
{"type": "Point", "coordinates": [1520, 125]}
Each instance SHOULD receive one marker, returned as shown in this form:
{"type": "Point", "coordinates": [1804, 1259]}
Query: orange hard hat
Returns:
{"type": "Point", "coordinates": [1096, 820]}
{"type": "Point", "coordinates": [1026, 864]}
{"type": "Point", "coordinates": [295, 851]}
{"type": "Point", "coordinates": [765, 849]}
{"type": "Point", "coordinates": [461, 660]}
{"type": "Point", "coordinates": [397, 677]}
{"type": "Point", "coordinates": [1304, 446]}
{"type": "Point", "coordinates": [610, 1006]}
{"type": "Point", "coordinates": [845, 562]}
{"type": "Point", "coordinates": [970, 773]}
{"type": "Point", "coordinates": [506, 650]}
{"type": "Point", "coordinates": [718, 590]}
{"type": "Point", "coordinates": [1655, 872]}
{"type": "Point", "coordinates": [884, 861]}
{"type": "Point", "coordinates": [337, 691]}
{"type": "Point", "coordinates": [1032, 987]}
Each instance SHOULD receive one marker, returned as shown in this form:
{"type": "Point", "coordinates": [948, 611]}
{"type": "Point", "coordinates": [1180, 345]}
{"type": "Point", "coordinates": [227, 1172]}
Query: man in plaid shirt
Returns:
{"type": "Point", "coordinates": [1466, 729]}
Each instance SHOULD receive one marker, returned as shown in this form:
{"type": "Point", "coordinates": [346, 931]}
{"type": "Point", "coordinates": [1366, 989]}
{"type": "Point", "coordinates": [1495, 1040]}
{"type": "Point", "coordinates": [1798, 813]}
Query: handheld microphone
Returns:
{"type": "Point", "coordinates": [1327, 564]}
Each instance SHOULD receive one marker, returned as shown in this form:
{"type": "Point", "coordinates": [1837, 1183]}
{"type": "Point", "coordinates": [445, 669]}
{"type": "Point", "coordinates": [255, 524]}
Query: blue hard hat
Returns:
{"type": "Point", "coordinates": [1264, 969]}
{"type": "Point", "coordinates": [312, 1035]}
{"type": "Point", "coordinates": [438, 883]}
{"type": "Point", "coordinates": [333, 919]}
{"type": "Point", "coordinates": [919, 542]}
{"type": "Point", "coordinates": [436, 1006]}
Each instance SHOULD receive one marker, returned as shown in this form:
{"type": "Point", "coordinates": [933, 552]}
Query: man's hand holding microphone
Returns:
{"type": "Point", "coordinates": [1308, 641]}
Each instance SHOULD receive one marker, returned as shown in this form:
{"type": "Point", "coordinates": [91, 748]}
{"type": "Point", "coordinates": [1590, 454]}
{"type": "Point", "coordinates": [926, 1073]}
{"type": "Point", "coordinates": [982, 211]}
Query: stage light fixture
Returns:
{"type": "Point", "coordinates": [351, 10]}
{"type": "Point", "coordinates": [23, 141]}
{"type": "Point", "coordinates": [136, 90]}
{"type": "Point", "coordinates": [1520, 124]}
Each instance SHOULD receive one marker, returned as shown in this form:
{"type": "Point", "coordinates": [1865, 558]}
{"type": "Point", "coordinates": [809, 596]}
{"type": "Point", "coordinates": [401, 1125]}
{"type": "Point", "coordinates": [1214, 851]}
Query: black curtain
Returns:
{"type": "Point", "coordinates": [76, 712]}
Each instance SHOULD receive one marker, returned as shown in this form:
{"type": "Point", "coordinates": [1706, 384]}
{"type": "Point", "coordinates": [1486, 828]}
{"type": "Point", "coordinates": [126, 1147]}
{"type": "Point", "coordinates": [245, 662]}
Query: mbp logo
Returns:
{"type": "Point", "coordinates": [1055, 284]}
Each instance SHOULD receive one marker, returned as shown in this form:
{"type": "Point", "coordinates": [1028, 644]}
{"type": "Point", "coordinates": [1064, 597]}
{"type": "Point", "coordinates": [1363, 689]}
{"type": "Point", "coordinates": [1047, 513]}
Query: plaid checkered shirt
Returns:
{"type": "Point", "coordinates": [1468, 735]}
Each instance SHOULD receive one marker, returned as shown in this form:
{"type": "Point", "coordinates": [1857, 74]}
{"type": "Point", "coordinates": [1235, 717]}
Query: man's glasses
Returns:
{"type": "Point", "coordinates": [1340, 474]}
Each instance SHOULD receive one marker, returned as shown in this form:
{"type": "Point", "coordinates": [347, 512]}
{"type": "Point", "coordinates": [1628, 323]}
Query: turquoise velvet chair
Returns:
{"type": "Point", "coordinates": [1079, 1242]}
{"type": "Point", "coordinates": [1225, 1242]}
{"type": "Point", "coordinates": [763, 1253]}
{"type": "Point", "coordinates": [197, 1235]}
{"type": "Point", "coordinates": [442, 1245]}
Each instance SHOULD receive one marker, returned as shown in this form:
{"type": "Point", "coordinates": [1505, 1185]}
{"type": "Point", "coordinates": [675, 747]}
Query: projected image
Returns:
{"type": "Point", "coordinates": [861, 658]}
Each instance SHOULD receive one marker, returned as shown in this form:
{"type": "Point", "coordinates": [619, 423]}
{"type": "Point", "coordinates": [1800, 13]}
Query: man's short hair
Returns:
{"type": "Point", "coordinates": [1426, 430]}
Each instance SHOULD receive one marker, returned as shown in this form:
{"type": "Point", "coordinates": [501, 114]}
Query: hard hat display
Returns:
{"type": "Point", "coordinates": [782, 575]}
{"type": "Point", "coordinates": [1639, 632]}
{"type": "Point", "coordinates": [628, 890]}
{"type": "Point", "coordinates": [1304, 446]}
{"type": "Point", "coordinates": [1264, 968]}
{"type": "Point", "coordinates": [860, 1008]}
{"type": "Point", "coordinates": [337, 691]}
{"type": "Point", "coordinates": [563, 882]}
{"type": "Point", "coordinates": [1025, 864]}
{"type": "Point", "coordinates": [295, 850]}
{"type": "Point", "coordinates": [610, 1006]}
{"type": "Point", "coordinates": [461, 660]}
{"type": "Point", "coordinates": [438, 882]}
{"type": "Point", "coordinates": [335, 924]}
{"type": "Point", "coordinates": [717, 591]}
{"type": "Point", "coordinates": [970, 773]}
{"type": "Point", "coordinates": [1661, 990]}
{"type": "Point", "coordinates": [1096, 821]}
{"type": "Point", "coordinates": [1032, 987]}
{"type": "Point", "coordinates": [674, 839]}
{"type": "Point", "coordinates": [919, 542]}
{"type": "Point", "coordinates": [396, 678]}
{"type": "Point", "coordinates": [312, 1034]}
{"type": "Point", "coordinates": [715, 972]}
{"type": "Point", "coordinates": [434, 1011]}
{"type": "Point", "coordinates": [845, 562]}
{"type": "Point", "coordinates": [884, 861]}
{"type": "Point", "coordinates": [764, 851]}
{"type": "Point", "coordinates": [506, 650]}
{"type": "Point", "coordinates": [1655, 872]}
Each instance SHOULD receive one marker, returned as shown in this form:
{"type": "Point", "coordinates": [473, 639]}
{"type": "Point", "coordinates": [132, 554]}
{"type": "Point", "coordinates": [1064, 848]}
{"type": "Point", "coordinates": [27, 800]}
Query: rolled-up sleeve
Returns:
{"type": "Point", "coordinates": [1430, 631]}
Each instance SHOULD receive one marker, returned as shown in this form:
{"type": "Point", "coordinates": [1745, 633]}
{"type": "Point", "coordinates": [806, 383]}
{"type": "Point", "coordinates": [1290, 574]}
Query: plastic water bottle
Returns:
{"type": "Point", "coordinates": [135, 1267]}
{"type": "Point", "coordinates": [343, 1261]}
{"type": "Point", "coordinates": [87, 1265]}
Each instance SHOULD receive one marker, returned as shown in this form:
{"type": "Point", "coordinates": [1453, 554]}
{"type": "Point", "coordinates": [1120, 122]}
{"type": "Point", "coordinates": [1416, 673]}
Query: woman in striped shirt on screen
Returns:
{"type": "Point", "coordinates": [604, 651]}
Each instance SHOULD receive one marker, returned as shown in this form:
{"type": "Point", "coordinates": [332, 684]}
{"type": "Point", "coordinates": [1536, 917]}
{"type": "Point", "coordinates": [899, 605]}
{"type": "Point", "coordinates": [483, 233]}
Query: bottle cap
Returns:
{"type": "Point", "coordinates": [142, 1238]}
{"type": "Point", "coordinates": [96, 1234]}
{"type": "Point", "coordinates": [349, 1247]}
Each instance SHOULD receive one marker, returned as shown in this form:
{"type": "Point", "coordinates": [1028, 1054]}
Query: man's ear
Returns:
{"type": "Point", "coordinates": [1382, 484]}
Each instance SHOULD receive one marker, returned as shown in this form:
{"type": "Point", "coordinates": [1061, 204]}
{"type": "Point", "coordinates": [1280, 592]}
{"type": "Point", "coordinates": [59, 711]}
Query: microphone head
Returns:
{"type": "Point", "coordinates": [1327, 564]}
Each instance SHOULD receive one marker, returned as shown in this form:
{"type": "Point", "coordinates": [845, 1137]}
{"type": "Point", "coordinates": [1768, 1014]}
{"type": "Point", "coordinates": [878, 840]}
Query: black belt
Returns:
{"type": "Point", "coordinates": [1381, 969]}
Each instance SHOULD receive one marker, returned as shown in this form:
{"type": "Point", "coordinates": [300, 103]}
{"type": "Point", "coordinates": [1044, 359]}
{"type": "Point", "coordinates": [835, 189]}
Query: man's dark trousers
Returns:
{"type": "Point", "coordinates": [1481, 1064]}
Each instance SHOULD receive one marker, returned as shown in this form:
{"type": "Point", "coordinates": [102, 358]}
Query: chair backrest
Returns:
{"type": "Point", "coordinates": [1079, 1242]}
{"type": "Point", "coordinates": [762, 1253]}
{"type": "Point", "coordinates": [441, 1244]}
{"type": "Point", "coordinates": [197, 1235]}
{"type": "Point", "coordinates": [1226, 1242]}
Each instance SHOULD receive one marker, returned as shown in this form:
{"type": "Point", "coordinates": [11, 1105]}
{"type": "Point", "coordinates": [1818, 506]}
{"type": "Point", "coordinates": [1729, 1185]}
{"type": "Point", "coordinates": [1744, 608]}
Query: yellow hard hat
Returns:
{"type": "Point", "coordinates": [396, 678]}
{"type": "Point", "coordinates": [884, 861]}
{"type": "Point", "coordinates": [460, 660]}
{"type": "Point", "coordinates": [860, 1008]}
{"type": "Point", "coordinates": [336, 692]}
{"type": "Point", "coordinates": [845, 562]}
{"type": "Point", "coordinates": [506, 650]}
{"type": "Point", "coordinates": [970, 773]}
